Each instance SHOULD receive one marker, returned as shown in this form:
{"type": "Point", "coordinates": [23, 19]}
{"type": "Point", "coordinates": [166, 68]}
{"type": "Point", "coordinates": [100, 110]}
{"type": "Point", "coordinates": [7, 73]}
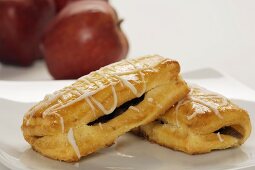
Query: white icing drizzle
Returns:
{"type": "Point", "coordinates": [77, 93]}
{"type": "Point", "coordinates": [141, 74]}
{"type": "Point", "coordinates": [219, 137]}
{"type": "Point", "coordinates": [88, 94]}
{"type": "Point", "coordinates": [102, 75]}
{"type": "Point", "coordinates": [50, 96]}
{"type": "Point", "coordinates": [151, 68]}
{"type": "Point", "coordinates": [207, 104]}
{"type": "Point", "coordinates": [71, 140]}
{"type": "Point", "coordinates": [101, 107]}
{"type": "Point", "coordinates": [84, 79]}
{"type": "Point", "coordinates": [200, 98]}
{"type": "Point", "coordinates": [150, 99]}
{"type": "Point", "coordinates": [61, 120]}
{"type": "Point", "coordinates": [179, 104]}
{"type": "Point", "coordinates": [46, 112]}
{"type": "Point", "coordinates": [33, 111]}
{"type": "Point", "coordinates": [88, 80]}
{"type": "Point", "coordinates": [62, 124]}
{"type": "Point", "coordinates": [50, 110]}
{"type": "Point", "coordinates": [224, 101]}
{"type": "Point", "coordinates": [207, 94]}
{"type": "Point", "coordinates": [83, 94]}
{"type": "Point", "coordinates": [124, 155]}
{"type": "Point", "coordinates": [100, 125]}
{"type": "Point", "coordinates": [91, 106]}
{"type": "Point", "coordinates": [28, 120]}
{"type": "Point", "coordinates": [128, 84]}
{"type": "Point", "coordinates": [121, 84]}
{"type": "Point", "coordinates": [134, 108]}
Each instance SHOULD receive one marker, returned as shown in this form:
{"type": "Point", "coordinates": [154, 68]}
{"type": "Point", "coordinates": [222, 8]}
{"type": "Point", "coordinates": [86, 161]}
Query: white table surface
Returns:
{"type": "Point", "coordinates": [198, 33]}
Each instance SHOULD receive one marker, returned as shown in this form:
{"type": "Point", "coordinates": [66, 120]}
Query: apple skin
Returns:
{"type": "Point", "coordinates": [21, 27]}
{"type": "Point", "coordinates": [60, 4]}
{"type": "Point", "coordinates": [85, 36]}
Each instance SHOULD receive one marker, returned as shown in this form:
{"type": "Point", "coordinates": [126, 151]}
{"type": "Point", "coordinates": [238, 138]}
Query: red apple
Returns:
{"type": "Point", "coordinates": [21, 26]}
{"type": "Point", "coordinates": [60, 4]}
{"type": "Point", "coordinates": [85, 36]}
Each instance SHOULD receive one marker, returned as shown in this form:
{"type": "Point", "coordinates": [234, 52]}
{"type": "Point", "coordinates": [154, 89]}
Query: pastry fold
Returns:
{"type": "Point", "coordinates": [91, 113]}
{"type": "Point", "coordinates": [201, 122]}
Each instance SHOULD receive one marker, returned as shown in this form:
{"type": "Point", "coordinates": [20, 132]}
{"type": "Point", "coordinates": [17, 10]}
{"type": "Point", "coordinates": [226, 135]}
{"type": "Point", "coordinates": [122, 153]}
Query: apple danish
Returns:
{"type": "Point", "coordinates": [91, 113]}
{"type": "Point", "coordinates": [201, 122]}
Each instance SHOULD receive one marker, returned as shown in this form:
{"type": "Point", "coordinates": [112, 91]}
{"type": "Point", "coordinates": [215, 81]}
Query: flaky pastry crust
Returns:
{"type": "Point", "coordinates": [70, 123]}
{"type": "Point", "coordinates": [201, 122]}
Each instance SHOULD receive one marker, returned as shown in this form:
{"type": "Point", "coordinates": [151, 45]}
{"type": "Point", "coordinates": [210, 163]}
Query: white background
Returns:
{"type": "Point", "coordinates": [198, 33]}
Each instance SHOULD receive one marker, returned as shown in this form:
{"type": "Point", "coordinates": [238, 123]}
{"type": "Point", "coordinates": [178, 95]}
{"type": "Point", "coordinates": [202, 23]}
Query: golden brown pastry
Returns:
{"type": "Point", "coordinates": [201, 122]}
{"type": "Point", "coordinates": [91, 113]}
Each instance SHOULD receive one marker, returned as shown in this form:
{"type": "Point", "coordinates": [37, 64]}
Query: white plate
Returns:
{"type": "Point", "coordinates": [129, 152]}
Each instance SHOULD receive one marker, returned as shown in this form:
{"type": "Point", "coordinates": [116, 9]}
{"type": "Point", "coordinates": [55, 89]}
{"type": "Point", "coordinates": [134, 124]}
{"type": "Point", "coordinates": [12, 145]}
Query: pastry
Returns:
{"type": "Point", "coordinates": [201, 122]}
{"type": "Point", "coordinates": [91, 113]}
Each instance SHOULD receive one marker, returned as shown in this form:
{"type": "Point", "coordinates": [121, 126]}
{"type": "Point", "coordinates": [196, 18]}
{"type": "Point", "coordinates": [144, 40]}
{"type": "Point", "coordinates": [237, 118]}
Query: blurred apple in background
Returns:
{"type": "Point", "coordinates": [83, 37]}
{"type": "Point", "coordinates": [21, 27]}
{"type": "Point", "coordinates": [60, 4]}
